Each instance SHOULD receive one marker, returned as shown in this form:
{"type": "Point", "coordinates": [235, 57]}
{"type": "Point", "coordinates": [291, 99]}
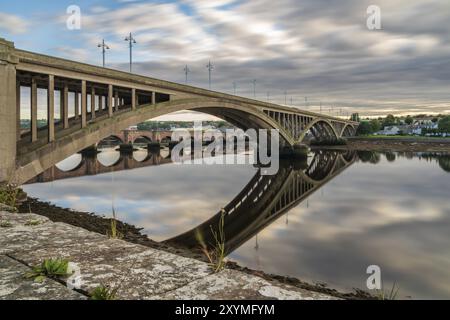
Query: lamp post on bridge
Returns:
{"type": "Point", "coordinates": [186, 72]}
{"type": "Point", "coordinates": [131, 41]}
{"type": "Point", "coordinates": [104, 47]}
{"type": "Point", "coordinates": [210, 67]}
{"type": "Point", "coordinates": [254, 88]}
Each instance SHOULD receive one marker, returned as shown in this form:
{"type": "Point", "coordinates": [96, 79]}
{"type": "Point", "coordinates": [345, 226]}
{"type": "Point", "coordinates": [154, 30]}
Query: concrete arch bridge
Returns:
{"type": "Point", "coordinates": [85, 104]}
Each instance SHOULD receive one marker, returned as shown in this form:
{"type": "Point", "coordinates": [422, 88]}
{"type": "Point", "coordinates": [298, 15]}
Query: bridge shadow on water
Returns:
{"type": "Point", "coordinates": [263, 200]}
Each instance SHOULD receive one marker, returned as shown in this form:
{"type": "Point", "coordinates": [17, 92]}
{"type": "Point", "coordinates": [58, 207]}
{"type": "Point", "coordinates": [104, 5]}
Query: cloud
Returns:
{"type": "Point", "coordinates": [12, 23]}
{"type": "Point", "coordinates": [311, 49]}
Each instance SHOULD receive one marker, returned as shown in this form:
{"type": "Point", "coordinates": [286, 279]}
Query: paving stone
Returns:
{"type": "Point", "coordinates": [236, 285]}
{"type": "Point", "coordinates": [13, 286]}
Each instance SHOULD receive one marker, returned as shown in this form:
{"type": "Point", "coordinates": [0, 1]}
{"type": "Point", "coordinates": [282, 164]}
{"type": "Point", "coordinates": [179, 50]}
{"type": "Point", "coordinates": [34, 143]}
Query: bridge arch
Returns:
{"type": "Point", "coordinates": [348, 131]}
{"type": "Point", "coordinates": [142, 139]}
{"type": "Point", "coordinates": [320, 127]}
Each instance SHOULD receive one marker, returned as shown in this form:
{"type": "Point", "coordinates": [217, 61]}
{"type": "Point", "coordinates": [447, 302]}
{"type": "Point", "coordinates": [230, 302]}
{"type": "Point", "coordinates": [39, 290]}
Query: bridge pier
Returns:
{"type": "Point", "coordinates": [8, 111]}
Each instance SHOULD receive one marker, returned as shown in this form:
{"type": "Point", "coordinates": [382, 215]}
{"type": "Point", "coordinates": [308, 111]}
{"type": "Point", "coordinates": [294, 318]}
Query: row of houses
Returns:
{"type": "Point", "coordinates": [418, 127]}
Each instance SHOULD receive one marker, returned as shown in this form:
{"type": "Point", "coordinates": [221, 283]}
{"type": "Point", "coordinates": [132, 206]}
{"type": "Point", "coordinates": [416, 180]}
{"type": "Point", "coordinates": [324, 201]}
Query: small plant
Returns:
{"type": "Point", "coordinates": [5, 224]}
{"type": "Point", "coordinates": [32, 223]}
{"type": "Point", "coordinates": [104, 293]}
{"type": "Point", "coordinates": [51, 268]}
{"type": "Point", "coordinates": [114, 233]}
{"type": "Point", "coordinates": [9, 194]}
{"type": "Point", "coordinates": [216, 256]}
{"type": "Point", "coordinates": [389, 295]}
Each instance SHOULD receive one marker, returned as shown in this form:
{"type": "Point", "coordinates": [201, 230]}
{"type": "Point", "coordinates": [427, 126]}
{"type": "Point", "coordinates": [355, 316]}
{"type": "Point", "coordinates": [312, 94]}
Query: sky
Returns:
{"type": "Point", "coordinates": [315, 51]}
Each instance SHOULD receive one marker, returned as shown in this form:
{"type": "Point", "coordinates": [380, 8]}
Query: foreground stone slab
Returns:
{"type": "Point", "coordinates": [139, 272]}
{"type": "Point", "coordinates": [236, 285]}
{"type": "Point", "coordinates": [13, 286]}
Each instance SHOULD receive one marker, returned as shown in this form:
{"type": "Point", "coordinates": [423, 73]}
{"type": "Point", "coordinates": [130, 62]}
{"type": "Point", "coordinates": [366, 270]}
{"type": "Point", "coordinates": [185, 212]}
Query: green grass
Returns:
{"type": "Point", "coordinates": [104, 293]}
{"type": "Point", "coordinates": [8, 195]}
{"type": "Point", "coordinates": [51, 268]}
{"type": "Point", "coordinates": [32, 223]}
{"type": "Point", "coordinates": [216, 255]}
{"type": "Point", "coordinates": [5, 224]}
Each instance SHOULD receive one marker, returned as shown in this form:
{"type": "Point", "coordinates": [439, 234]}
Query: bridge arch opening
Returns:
{"type": "Point", "coordinates": [321, 130]}
{"type": "Point", "coordinates": [110, 142]}
{"type": "Point", "coordinates": [109, 157]}
{"type": "Point", "coordinates": [71, 163]}
{"type": "Point", "coordinates": [142, 140]}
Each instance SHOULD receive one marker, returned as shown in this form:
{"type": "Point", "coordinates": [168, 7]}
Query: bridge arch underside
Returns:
{"type": "Point", "coordinates": [36, 158]}
{"type": "Point", "coordinates": [323, 130]}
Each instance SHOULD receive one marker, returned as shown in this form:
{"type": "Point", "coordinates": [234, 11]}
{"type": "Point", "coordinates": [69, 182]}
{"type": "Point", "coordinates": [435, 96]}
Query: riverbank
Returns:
{"type": "Point", "coordinates": [132, 234]}
{"type": "Point", "coordinates": [399, 144]}
{"type": "Point", "coordinates": [136, 272]}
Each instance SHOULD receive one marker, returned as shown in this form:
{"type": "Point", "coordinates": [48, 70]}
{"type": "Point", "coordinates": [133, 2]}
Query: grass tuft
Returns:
{"type": "Point", "coordinates": [104, 293]}
{"type": "Point", "coordinates": [50, 268]}
{"type": "Point", "coordinates": [216, 255]}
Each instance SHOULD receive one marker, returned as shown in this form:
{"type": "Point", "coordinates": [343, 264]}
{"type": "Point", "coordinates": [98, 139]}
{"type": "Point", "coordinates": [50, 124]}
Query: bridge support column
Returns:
{"type": "Point", "coordinates": [8, 110]}
{"type": "Point", "coordinates": [93, 103]}
{"type": "Point", "coordinates": [110, 100]}
{"type": "Point", "coordinates": [65, 107]}
{"type": "Point", "coordinates": [51, 108]}
{"type": "Point", "coordinates": [77, 104]}
{"type": "Point", "coordinates": [34, 129]}
{"type": "Point", "coordinates": [133, 98]}
{"type": "Point", "coordinates": [83, 104]}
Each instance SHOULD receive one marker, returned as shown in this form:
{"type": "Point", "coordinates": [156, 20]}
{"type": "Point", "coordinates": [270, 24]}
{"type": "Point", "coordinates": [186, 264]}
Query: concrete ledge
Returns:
{"type": "Point", "coordinates": [140, 272]}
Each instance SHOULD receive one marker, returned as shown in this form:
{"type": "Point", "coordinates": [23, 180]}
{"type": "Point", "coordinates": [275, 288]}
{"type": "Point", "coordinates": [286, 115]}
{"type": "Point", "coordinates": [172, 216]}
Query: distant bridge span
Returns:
{"type": "Point", "coordinates": [92, 103]}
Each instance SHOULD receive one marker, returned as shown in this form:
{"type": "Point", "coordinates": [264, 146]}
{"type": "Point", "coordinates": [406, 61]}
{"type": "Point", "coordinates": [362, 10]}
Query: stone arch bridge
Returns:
{"type": "Point", "coordinates": [85, 103]}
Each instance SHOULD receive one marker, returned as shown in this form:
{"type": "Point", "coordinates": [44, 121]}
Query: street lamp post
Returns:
{"type": "Point", "coordinates": [131, 41]}
{"type": "Point", "coordinates": [186, 72]}
{"type": "Point", "coordinates": [104, 47]}
{"type": "Point", "coordinates": [254, 88]}
{"type": "Point", "coordinates": [210, 67]}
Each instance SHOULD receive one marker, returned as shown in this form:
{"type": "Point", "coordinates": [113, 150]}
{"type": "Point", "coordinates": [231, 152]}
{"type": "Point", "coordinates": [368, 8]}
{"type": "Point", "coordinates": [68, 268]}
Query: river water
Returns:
{"type": "Point", "coordinates": [322, 221]}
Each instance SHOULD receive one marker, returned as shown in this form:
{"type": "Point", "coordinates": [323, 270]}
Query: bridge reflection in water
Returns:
{"type": "Point", "coordinates": [266, 198]}
{"type": "Point", "coordinates": [263, 200]}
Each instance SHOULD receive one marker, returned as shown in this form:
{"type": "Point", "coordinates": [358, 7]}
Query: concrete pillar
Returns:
{"type": "Point", "coordinates": [83, 104]}
{"type": "Point", "coordinates": [34, 128]}
{"type": "Point", "coordinates": [51, 107]}
{"type": "Point", "coordinates": [77, 105]}
{"type": "Point", "coordinates": [65, 100]}
{"type": "Point", "coordinates": [92, 103]}
{"type": "Point", "coordinates": [133, 99]}
{"type": "Point", "coordinates": [110, 99]}
{"type": "Point", "coordinates": [18, 109]}
{"type": "Point", "coordinates": [116, 100]}
{"type": "Point", "coordinates": [153, 97]}
{"type": "Point", "coordinates": [8, 110]}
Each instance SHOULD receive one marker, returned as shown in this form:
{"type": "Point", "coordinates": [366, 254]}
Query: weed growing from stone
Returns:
{"type": "Point", "coordinates": [5, 224]}
{"type": "Point", "coordinates": [104, 293]}
{"type": "Point", "coordinates": [389, 295]}
{"type": "Point", "coordinates": [216, 256]}
{"type": "Point", "coordinates": [50, 268]}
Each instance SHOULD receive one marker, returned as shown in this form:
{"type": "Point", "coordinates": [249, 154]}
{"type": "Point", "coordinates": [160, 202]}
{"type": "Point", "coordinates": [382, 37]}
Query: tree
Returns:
{"type": "Point", "coordinates": [444, 124]}
{"type": "Point", "coordinates": [389, 121]}
{"type": "Point", "coordinates": [409, 120]}
{"type": "Point", "coordinates": [434, 120]}
{"type": "Point", "coordinates": [364, 128]}
{"type": "Point", "coordinates": [375, 125]}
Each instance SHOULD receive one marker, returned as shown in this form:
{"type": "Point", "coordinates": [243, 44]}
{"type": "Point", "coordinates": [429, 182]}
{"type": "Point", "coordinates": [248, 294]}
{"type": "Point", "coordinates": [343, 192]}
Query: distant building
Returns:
{"type": "Point", "coordinates": [132, 128]}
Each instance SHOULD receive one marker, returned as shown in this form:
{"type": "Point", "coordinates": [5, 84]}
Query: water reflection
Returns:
{"type": "Point", "coordinates": [324, 220]}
